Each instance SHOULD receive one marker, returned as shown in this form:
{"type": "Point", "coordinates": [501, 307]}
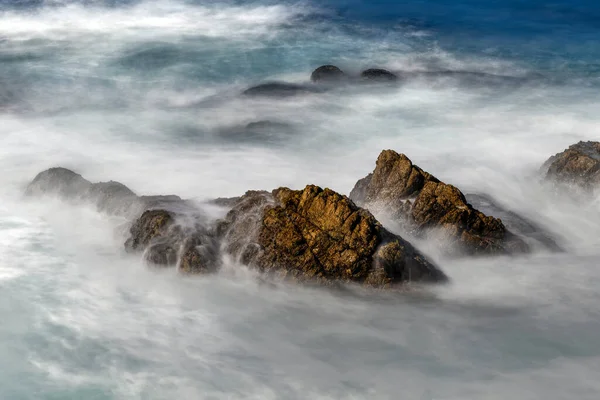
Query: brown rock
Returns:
{"type": "Point", "coordinates": [577, 166]}
{"type": "Point", "coordinates": [162, 235]}
{"type": "Point", "coordinates": [444, 208]}
{"type": "Point", "coordinates": [320, 236]}
{"type": "Point", "coordinates": [436, 206]}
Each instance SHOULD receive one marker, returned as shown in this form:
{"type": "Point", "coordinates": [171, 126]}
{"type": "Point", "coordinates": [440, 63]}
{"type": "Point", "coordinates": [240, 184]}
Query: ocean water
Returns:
{"type": "Point", "coordinates": [148, 93]}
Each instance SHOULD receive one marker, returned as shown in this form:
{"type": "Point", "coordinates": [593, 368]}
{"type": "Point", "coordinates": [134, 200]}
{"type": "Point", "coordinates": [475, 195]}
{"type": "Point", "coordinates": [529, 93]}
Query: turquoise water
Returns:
{"type": "Point", "coordinates": [147, 93]}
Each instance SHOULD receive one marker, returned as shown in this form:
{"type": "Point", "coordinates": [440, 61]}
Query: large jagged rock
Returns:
{"type": "Point", "coordinates": [168, 239]}
{"type": "Point", "coordinates": [318, 235]}
{"type": "Point", "coordinates": [394, 181]}
{"type": "Point", "coordinates": [404, 192]}
{"type": "Point", "coordinates": [577, 166]}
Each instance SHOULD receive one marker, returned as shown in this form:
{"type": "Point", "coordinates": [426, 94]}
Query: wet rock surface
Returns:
{"type": "Point", "coordinates": [168, 238]}
{"type": "Point", "coordinates": [577, 166]}
{"type": "Point", "coordinates": [417, 199]}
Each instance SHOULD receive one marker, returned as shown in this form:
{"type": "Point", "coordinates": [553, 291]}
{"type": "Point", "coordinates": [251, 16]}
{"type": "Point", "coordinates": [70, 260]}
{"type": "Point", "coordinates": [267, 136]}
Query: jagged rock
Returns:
{"type": "Point", "coordinates": [578, 166]}
{"type": "Point", "coordinates": [403, 191]}
{"type": "Point", "coordinates": [164, 235]}
{"type": "Point", "coordinates": [278, 89]}
{"type": "Point", "coordinates": [377, 74]}
{"type": "Point", "coordinates": [327, 74]}
{"type": "Point", "coordinates": [393, 182]}
{"type": "Point", "coordinates": [445, 208]}
{"type": "Point", "coordinates": [318, 235]}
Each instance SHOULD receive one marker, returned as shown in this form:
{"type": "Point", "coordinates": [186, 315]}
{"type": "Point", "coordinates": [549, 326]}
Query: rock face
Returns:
{"type": "Point", "coordinates": [377, 74]}
{"type": "Point", "coordinates": [405, 192]}
{"type": "Point", "coordinates": [320, 236]}
{"type": "Point", "coordinates": [327, 74]}
{"type": "Point", "coordinates": [578, 166]}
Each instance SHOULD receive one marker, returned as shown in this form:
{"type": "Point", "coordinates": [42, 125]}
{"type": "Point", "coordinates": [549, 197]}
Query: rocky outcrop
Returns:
{"type": "Point", "coordinates": [311, 235]}
{"type": "Point", "coordinates": [404, 192]}
{"type": "Point", "coordinates": [110, 197]}
{"type": "Point", "coordinates": [318, 235]}
{"type": "Point", "coordinates": [327, 74]}
{"type": "Point", "coordinates": [578, 166]}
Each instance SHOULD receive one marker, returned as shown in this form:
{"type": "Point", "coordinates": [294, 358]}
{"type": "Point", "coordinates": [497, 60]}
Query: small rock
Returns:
{"type": "Point", "coordinates": [278, 89]}
{"type": "Point", "coordinates": [327, 74]}
{"type": "Point", "coordinates": [59, 182]}
{"type": "Point", "coordinates": [578, 166]}
{"type": "Point", "coordinates": [378, 75]}
{"type": "Point", "coordinates": [163, 234]}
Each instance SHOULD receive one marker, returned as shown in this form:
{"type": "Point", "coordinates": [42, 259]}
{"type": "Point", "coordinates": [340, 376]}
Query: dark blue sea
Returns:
{"type": "Point", "coordinates": [149, 93]}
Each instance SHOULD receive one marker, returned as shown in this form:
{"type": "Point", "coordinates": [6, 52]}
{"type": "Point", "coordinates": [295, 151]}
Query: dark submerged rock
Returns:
{"type": "Point", "coordinates": [110, 197]}
{"type": "Point", "coordinates": [59, 182]}
{"type": "Point", "coordinates": [278, 89]}
{"type": "Point", "coordinates": [378, 75]}
{"type": "Point", "coordinates": [515, 222]}
{"type": "Point", "coordinates": [406, 193]}
{"type": "Point", "coordinates": [327, 74]}
{"type": "Point", "coordinates": [578, 166]}
{"type": "Point", "coordinates": [317, 235]}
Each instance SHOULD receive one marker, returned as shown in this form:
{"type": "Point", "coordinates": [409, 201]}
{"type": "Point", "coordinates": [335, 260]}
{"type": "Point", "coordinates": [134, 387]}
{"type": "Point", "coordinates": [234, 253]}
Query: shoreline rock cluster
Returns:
{"type": "Point", "coordinates": [327, 77]}
{"type": "Point", "coordinates": [316, 235]}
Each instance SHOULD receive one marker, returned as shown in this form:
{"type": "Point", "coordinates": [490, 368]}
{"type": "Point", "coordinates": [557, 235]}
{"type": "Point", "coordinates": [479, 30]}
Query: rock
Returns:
{"type": "Point", "coordinates": [578, 166]}
{"type": "Point", "coordinates": [394, 181]}
{"type": "Point", "coordinates": [164, 235]}
{"type": "Point", "coordinates": [444, 208]}
{"type": "Point", "coordinates": [327, 74]}
{"type": "Point", "coordinates": [109, 197]}
{"type": "Point", "coordinates": [60, 182]}
{"type": "Point", "coordinates": [404, 192]}
{"type": "Point", "coordinates": [278, 89]}
{"type": "Point", "coordinates": [379, 75]}
{"type": "Point", "coordinates": [113, 197]}
{"type": "Point", "coordinates": [516, 223]}
{"type": "Point", "coordinates": [317, 235]}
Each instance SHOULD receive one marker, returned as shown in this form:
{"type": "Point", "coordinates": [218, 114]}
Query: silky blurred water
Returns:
{"type": "Point", "coordinates": [148, 93]}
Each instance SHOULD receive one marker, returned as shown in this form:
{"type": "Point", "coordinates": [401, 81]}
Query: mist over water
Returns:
{"type": "Point", "coordinates": [148, 94]}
